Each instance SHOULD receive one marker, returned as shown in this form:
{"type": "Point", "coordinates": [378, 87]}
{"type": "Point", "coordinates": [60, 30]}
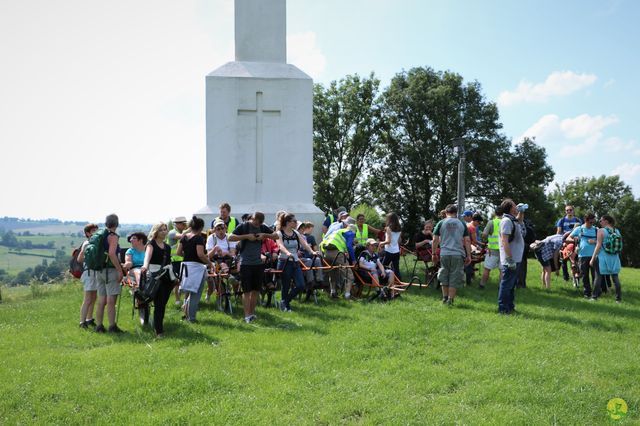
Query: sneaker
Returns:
{"type": "Point", "coordinates": [91, 322]}
{"type": "Point", "coordinates": [100, 329]}
{"type": "Point", "coordinates": [115, 329]}
{"type": "Point", "coordinates": [84, 325]}
{"type": "Point", "coordinates": [159, 335]}
{"type": "Point", "coordinates": [445, 299]}
{"type": "Point", "coordinates": [248, 319]}
{"type": "Point", "coordinates": [178, 303]}
{"type": "Point", "coordinates": [207, 298]}
{"type": "Point", "coordinates": [481, 287]}
{"type": "Point", "coordinates": [450, 302]}
{"type": "Point", "coordinates": [334, 295]}
{"type": "Point", "coordinates": [587, 296]}
{"type": "Point", "coordinates": [593, 299]}
{"type": "Point", "coordinates": [618, 301]}
{"type": "Point", "coordinates": [347, 296]}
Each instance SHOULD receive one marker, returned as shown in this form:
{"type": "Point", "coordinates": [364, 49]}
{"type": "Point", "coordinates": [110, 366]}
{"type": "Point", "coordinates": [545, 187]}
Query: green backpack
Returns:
{"type": "Point", "coordinates": [95, 256]}
{"type": "Point", "coordinates": [612, 242]}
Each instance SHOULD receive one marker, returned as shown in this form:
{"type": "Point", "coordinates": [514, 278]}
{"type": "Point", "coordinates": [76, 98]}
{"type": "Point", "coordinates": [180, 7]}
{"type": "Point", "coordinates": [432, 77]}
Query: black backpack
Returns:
{"type": "Point", "coordinates": [149, 285]}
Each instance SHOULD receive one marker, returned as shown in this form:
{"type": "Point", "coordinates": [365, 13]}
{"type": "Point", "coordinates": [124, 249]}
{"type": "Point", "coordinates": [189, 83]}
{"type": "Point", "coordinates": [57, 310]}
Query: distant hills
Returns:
{"type": "Point", "coordinates": [55, 226]}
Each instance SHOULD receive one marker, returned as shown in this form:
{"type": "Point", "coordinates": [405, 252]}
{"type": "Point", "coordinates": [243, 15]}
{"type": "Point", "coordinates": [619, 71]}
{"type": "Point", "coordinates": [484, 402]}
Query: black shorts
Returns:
{"type": "Point", "coordinates": [251, 277]}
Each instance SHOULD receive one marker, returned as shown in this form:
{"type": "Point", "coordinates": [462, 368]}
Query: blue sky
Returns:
{"type": "Point", "coordinates": [123, 82]}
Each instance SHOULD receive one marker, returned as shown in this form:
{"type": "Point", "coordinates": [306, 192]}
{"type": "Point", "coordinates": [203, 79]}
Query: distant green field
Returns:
{"type": "Point", "coordinates": [14, 263]}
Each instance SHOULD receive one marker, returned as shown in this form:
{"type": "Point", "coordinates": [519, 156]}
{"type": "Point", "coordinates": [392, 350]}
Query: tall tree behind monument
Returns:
{"type": "Point", "coordinates": [259, 122]}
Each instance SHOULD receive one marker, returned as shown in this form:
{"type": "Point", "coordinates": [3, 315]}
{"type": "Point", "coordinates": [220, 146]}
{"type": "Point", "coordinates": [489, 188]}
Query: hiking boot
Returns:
{"type": "Point", "coordinates": [84, 325]}
{"type": "Point", "coordinates": [100, 329]}
{"type": "Point", "coordinates": [115, 329]}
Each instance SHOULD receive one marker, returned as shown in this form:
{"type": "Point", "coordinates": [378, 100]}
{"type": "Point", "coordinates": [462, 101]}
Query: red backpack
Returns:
{"type": "Point", "coordinates": [76, 268]}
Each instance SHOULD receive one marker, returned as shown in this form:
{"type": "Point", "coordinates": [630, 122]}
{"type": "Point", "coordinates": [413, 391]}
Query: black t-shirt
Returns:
{"type": "Point", "coordinates": [189, 246]}
{"type": "Point", "coordinates": [160, 256]}
{"type": "Point", "coordinates": [420, 237]}
{"type": "Point", "coordinates": [250, 250]}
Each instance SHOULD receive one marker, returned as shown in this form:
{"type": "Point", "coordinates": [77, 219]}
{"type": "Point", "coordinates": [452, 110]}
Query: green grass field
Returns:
{"type": "Point", "coordinates": [410, 361]}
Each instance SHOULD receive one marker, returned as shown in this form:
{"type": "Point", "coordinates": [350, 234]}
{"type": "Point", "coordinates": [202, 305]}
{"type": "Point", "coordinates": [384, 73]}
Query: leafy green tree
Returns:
{"type": "Point", "coordinates": [525, 176]}
{"type": "Point", "coordinates": [371, 215]}
{"type": "Point", "coordinates": [604, 195]}
{"type": "Point", "coordinates": [9, 239]}
{"type": "Point", "coordinates": [599, 195]}
{"type": "Point", "coordinates": [345, 133]}
{"type": "Point", "coordinates": [627, 215]}
{"type": "Point", "coordinates": [416, 171]}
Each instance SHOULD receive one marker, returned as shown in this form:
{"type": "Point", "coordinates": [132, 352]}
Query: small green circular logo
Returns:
{"type": "Point", "coordinates": [617, 408]}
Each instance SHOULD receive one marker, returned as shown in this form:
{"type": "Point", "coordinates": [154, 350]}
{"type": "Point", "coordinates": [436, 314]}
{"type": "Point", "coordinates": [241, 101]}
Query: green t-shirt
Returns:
{"type": "Point", "coordinates": [451, 232]}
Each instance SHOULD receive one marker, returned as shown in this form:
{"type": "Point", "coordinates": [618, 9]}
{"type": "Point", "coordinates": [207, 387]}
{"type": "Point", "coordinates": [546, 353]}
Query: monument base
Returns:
{"type": "Point", "coordinates": [305, 212]}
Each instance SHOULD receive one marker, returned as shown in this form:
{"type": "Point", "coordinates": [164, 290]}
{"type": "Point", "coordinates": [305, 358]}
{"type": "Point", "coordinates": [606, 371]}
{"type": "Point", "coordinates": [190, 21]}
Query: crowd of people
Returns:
{"type": "Point", "coordinates": [182, 260]}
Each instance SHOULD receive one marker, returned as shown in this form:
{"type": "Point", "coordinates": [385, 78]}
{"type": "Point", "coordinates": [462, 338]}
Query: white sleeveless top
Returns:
{"type": "Point", "coordinates": [393, 246]}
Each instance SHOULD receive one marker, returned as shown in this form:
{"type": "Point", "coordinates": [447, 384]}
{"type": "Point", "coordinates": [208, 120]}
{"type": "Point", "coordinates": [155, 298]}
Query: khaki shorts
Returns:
{"type": "Point", "coordinates": [90, 280]}
{"type": "Point", "coordinates": [451, 271]}
{"type": "Point", "coordinates": [492, 260]}
{"type": "Point", "coordinates": [108, 284]}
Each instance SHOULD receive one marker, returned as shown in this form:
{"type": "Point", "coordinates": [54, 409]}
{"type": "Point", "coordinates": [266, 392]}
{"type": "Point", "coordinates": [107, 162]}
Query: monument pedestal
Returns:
{"type": "Point", "coordinates": [260, 141]}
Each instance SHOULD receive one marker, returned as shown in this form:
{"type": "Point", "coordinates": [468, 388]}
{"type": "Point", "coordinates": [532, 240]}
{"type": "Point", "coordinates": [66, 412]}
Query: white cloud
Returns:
{"type": "Point", "coordinates": [303, 52]}
{"type": "Point", "coordinates": [558, 83]}
{"type": "Point", "coordinates": [616, 144]}
{"type": "Point", "coordinates": [626, 171]}
{"type": "Point", "coordinates": [574, 136]}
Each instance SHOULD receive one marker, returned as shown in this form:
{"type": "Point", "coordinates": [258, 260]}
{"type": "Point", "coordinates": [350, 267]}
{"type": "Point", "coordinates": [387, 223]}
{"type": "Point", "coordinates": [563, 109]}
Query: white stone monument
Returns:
{"type": "Point", "coordinates": [259, 123]}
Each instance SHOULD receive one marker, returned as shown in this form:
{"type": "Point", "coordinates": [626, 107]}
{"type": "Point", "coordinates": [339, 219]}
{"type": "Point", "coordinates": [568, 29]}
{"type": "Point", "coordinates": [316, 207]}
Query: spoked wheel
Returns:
{"type": "Point", "coordinates": [224, 298]}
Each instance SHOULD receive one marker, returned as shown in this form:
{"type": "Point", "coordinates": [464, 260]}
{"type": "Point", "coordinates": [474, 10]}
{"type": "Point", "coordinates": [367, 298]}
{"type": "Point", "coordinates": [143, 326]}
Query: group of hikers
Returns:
{"type": "Point", "coordinates": [181, 258]}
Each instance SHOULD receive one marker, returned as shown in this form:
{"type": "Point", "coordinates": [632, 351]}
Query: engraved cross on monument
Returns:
{"type": "Point", "coordinates": [259, 118]}
{"type": "Point", "coordinates": [259, 112]}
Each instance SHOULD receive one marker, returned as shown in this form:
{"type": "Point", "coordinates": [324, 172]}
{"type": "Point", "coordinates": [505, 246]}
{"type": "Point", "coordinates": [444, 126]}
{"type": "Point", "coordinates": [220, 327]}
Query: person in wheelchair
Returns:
{"type": "Point", "coordinates": [369, 263]}
{"type": "Point", "coordinates": [291, 243]}
{"type": "Point", "coordinates": [314, 279]}
{"type": "Point", "coordinates": [134, 257]}
{"type": "Point", "coordinates": [423, 241]}
{"type": "Point", "coordinates": [221, 251]}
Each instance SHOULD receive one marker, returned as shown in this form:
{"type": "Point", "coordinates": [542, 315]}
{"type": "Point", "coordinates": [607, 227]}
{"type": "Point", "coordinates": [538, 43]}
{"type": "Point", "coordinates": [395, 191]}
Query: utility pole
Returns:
{"type": "Point", "coordinates": [458, 145]}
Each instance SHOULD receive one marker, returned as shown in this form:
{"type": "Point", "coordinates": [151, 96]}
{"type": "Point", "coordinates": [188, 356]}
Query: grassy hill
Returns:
{"type": "Point", "coordinates": [411, 361]}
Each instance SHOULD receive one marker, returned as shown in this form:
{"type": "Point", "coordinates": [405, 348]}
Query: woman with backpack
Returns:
{"type": "Point", "coordinates": [290, 242]}
{"type": "Point", "coordinates": [89, 281]}
{"type": "Point", "coordinates": [607, 254]}
{"type": "Point", "coordinates": [158, 255]}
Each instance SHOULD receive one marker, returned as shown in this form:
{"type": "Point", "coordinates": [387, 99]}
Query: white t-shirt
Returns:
{"type": "Point", "coordinates": [224, 243]}
{"type": "Point", "coordinates": [393, 246]}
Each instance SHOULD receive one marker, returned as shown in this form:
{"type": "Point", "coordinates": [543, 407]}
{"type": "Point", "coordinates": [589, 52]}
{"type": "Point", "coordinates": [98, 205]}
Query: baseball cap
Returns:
{"type": "Point", "coordinates": [217, 223]}
{"type": "Point", "coordinates": [467, 213]}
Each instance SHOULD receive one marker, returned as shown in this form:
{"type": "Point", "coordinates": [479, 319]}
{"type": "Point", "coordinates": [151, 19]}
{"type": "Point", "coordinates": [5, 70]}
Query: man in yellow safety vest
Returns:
{"type": "Point", "coordinates": [490, 234]}
{"type": "Point", "coordinates": [364, 230]}
{"type": "Point", "coordinates": [230, 221]}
